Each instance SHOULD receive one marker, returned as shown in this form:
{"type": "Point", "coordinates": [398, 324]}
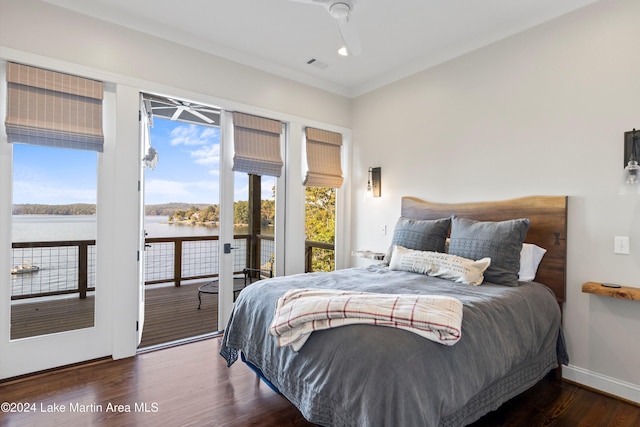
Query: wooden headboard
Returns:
{"type": "Point", "coordinates": [548, 227]}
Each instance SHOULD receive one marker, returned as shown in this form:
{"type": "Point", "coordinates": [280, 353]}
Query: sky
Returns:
{"type": "Point", "coordinates": [45, 175]}
{"type": "Point", "coordinates": [187, 170]}
{"type": "Point", "coordinates": [188, 163]}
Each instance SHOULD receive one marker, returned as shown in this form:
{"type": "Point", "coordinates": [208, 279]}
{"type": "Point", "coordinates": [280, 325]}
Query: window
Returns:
{"type": "Point", "coordinates": [53, 233]}
{"type": "Point", "coordinates": [320, 228]}
{"type": "Point", "coordinates": [54, 121]}
{"type": "Point", "coordinates": [324, 175]}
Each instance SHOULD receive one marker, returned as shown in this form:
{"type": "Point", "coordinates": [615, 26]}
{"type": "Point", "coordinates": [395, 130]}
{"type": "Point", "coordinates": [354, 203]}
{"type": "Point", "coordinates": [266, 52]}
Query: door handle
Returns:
{"type": "Point", "coordinates": [227, 248]}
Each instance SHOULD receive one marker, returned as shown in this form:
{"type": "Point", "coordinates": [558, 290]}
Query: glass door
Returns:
{"type": "Point", "coordinates": [251, 153]}
{"type": "Point", "coordinates": [149, 158]}
{"type": "Point", "coordinates": [207, 219]}
{"type": "Point", "coordinates": [185, 215]}
{"type": "Point", "coordinates": [54, 300]}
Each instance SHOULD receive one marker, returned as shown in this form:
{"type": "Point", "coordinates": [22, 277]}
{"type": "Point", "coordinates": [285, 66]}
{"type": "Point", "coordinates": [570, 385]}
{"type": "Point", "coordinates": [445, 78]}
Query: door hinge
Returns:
{"type": "Point", "coordinates": [139, 115]}
{"type": "Point", "coordinates": [138, 256]}
{"type": "Point", "coordinates": [137, 325]}
{"type": "Point", "coordinates": [139, 186]}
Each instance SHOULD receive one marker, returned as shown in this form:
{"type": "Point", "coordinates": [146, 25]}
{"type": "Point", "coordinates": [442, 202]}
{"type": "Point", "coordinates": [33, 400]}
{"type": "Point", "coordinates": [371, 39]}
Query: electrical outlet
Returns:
{"type": "Point", "coordinates": [383, 230]}
{"type": "Point", "coordinates": [621, 245]}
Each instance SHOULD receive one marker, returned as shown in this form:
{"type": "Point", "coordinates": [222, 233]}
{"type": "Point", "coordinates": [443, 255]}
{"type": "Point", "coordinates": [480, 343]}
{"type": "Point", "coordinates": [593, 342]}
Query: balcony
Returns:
{"type": "Point", "coordinates": [60, 295]}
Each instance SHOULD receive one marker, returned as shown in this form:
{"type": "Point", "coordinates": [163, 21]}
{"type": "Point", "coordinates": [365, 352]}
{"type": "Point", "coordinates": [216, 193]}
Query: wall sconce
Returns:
{"type": "Point", "coordinates": [373, 182]}
{"type": "Point", "coordinates": [631, 177]}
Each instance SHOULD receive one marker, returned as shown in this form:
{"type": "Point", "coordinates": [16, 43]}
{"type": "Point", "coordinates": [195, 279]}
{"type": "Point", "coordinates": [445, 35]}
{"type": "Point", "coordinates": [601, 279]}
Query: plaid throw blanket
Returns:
{"type": "Point", "coordinates": [302, 311]}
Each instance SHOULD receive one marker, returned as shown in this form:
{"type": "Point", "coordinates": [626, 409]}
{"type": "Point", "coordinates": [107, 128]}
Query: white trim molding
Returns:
{"type": "Point", "coordinates": [613, 386]}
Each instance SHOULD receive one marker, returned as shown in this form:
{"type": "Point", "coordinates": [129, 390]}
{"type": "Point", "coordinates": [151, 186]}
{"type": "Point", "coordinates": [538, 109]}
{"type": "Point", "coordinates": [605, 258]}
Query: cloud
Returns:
{"type": "Point", "coordinates": [205, 138]}
{"type": "Point", "coordinates": [208, 155]}
{"type": "Point", "coordinates": [192, 135]}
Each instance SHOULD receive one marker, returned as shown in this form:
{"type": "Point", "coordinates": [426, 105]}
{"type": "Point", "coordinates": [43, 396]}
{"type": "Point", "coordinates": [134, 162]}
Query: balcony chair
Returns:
{"type": "Point", "coordinates": [248, 273]}
{"type": "Point", "coordinates": [262, 273]}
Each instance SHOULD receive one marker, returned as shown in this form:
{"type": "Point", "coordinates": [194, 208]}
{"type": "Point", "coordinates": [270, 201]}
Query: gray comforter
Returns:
{"type": "Point", "coordinates": [363, 375]}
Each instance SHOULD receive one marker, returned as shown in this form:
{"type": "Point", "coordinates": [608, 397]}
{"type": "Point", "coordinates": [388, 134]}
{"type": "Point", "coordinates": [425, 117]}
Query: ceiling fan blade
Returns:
{"type": "Point", "coordinates": [199, 115]}
{"type": "Point", "coordinates": [349, 36]}
{"type": "Point", "coordinates": [340, 11]}
{"type": "Point", "coordinates": [179, 110]}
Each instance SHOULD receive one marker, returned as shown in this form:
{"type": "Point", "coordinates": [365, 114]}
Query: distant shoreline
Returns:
{"type": "Point", "coordinates": [90, 208]}
{"type": "Point", "coordinates": [188, 214]}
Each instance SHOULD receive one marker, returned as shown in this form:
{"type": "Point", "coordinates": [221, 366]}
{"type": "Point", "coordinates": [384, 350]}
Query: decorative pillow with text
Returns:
{"type": "Point", "coordinates": [446, 266]}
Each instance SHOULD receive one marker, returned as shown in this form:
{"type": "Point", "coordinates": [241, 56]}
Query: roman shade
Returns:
{"type": "Point", "coordinates": [323, 159]}
{"type": "Point", "coordinates": [53, 109]}
{"type": "Point", "coordinates": [257, 145]}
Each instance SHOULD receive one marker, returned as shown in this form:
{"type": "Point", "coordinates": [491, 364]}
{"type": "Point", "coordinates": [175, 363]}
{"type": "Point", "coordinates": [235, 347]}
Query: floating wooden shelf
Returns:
{"type": "Point", "coordinates": [623, 292]}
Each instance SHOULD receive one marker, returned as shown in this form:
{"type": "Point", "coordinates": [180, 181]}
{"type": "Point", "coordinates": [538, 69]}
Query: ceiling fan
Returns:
{"type": "Point", "coordinates": [341, 10]}
{"type": "Point", "coordinates": [184, 111]}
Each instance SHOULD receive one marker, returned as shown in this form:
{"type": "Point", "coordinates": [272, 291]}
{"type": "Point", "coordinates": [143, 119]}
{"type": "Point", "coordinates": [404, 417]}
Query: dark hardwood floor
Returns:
{"type": "Point", "coordinates": [190, 385]}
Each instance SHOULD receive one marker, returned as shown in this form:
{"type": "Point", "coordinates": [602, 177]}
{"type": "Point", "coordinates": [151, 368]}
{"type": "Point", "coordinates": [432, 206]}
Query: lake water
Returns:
{"type": "Point", "coordinates": [45, 228]}
{"type": "Point", "coordinates": [58, 266]}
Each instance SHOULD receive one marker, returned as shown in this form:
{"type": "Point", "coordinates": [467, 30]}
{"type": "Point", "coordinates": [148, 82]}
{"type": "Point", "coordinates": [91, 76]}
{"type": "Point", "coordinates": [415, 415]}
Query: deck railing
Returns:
{"type": "Point", "coordinates": [64, 267]}
{"type": "Point", "coordinates": [311, 247]}
{"type": "Point", "coordinates": [68, 267]}
{"type": "Point", "coordinates": [178, 259]}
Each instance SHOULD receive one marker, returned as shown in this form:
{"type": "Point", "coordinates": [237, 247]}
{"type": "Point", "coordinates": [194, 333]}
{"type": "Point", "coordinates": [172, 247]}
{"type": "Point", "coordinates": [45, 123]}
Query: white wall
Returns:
{"type": "Point", "coordinates": [39, 34]}
{"type": "Point", "coordinates": [41, 28]}
{"type": "Point", "coordinates": [542, 112]}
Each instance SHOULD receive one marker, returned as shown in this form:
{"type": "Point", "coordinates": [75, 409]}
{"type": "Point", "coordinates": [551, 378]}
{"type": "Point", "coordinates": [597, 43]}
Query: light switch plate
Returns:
{"type": "Point", "coordinates": [621, 245]}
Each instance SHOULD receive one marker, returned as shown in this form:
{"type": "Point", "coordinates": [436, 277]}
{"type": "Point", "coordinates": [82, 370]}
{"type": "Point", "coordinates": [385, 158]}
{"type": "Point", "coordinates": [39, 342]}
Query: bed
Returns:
{"type": "Point", "coordinates": [363, 374]}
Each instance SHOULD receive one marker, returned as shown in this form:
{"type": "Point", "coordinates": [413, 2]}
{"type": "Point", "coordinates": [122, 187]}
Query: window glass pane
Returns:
{"type": "Point", "coordinates": [53, 239]}
{"type": "Point", "coordinates": [259, 236]}
{"type": "Point", "coordinates": [320, 228]}
{"type": "Point", "coordinates": [182, 219]}
{"type": "Point", "coordinates": [268, 224]}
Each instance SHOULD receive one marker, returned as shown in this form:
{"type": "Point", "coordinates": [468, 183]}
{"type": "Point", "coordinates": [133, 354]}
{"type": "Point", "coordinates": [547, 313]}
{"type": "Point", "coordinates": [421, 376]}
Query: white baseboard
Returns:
{"type": "Point", "coordinates": [603, 383]}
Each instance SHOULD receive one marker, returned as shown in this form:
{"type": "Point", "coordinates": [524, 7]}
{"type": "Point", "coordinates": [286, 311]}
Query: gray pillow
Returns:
{"type": "Point", "coordinates": [421, 235]}
{"type": "Point", "coordinates": [500, 241]}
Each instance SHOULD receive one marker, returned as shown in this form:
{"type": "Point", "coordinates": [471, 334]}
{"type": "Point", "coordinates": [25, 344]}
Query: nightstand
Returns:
{"type": "Point", "coordinates": [379, 256]}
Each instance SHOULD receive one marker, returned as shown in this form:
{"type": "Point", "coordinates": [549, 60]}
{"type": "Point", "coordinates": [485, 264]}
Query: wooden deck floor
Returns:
{"type": "Point", "coordinates": [171, 314]}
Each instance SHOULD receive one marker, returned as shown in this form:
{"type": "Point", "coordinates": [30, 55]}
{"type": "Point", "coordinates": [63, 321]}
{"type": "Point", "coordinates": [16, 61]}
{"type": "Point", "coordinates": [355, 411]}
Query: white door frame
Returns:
{"type": "Point", "coordinates": [225, 295]}
{"type": "Point", "coordinates": [145, 143]}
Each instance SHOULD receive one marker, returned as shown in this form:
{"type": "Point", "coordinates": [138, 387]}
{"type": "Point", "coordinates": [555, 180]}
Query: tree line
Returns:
{"type": "Point", "coordinates": [195, 213]}
{"type": "Point", "coordinates": [211, 214]}
{"type": "Point", "coordinates": [38, 209]}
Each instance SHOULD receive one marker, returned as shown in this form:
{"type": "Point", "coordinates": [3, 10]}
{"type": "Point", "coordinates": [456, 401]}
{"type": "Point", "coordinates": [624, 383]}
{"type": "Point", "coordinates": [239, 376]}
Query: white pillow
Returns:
{"type": "Point", "coordinates": [439, 264]}
{"type": "Point", "coordinates": [530, 257]}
